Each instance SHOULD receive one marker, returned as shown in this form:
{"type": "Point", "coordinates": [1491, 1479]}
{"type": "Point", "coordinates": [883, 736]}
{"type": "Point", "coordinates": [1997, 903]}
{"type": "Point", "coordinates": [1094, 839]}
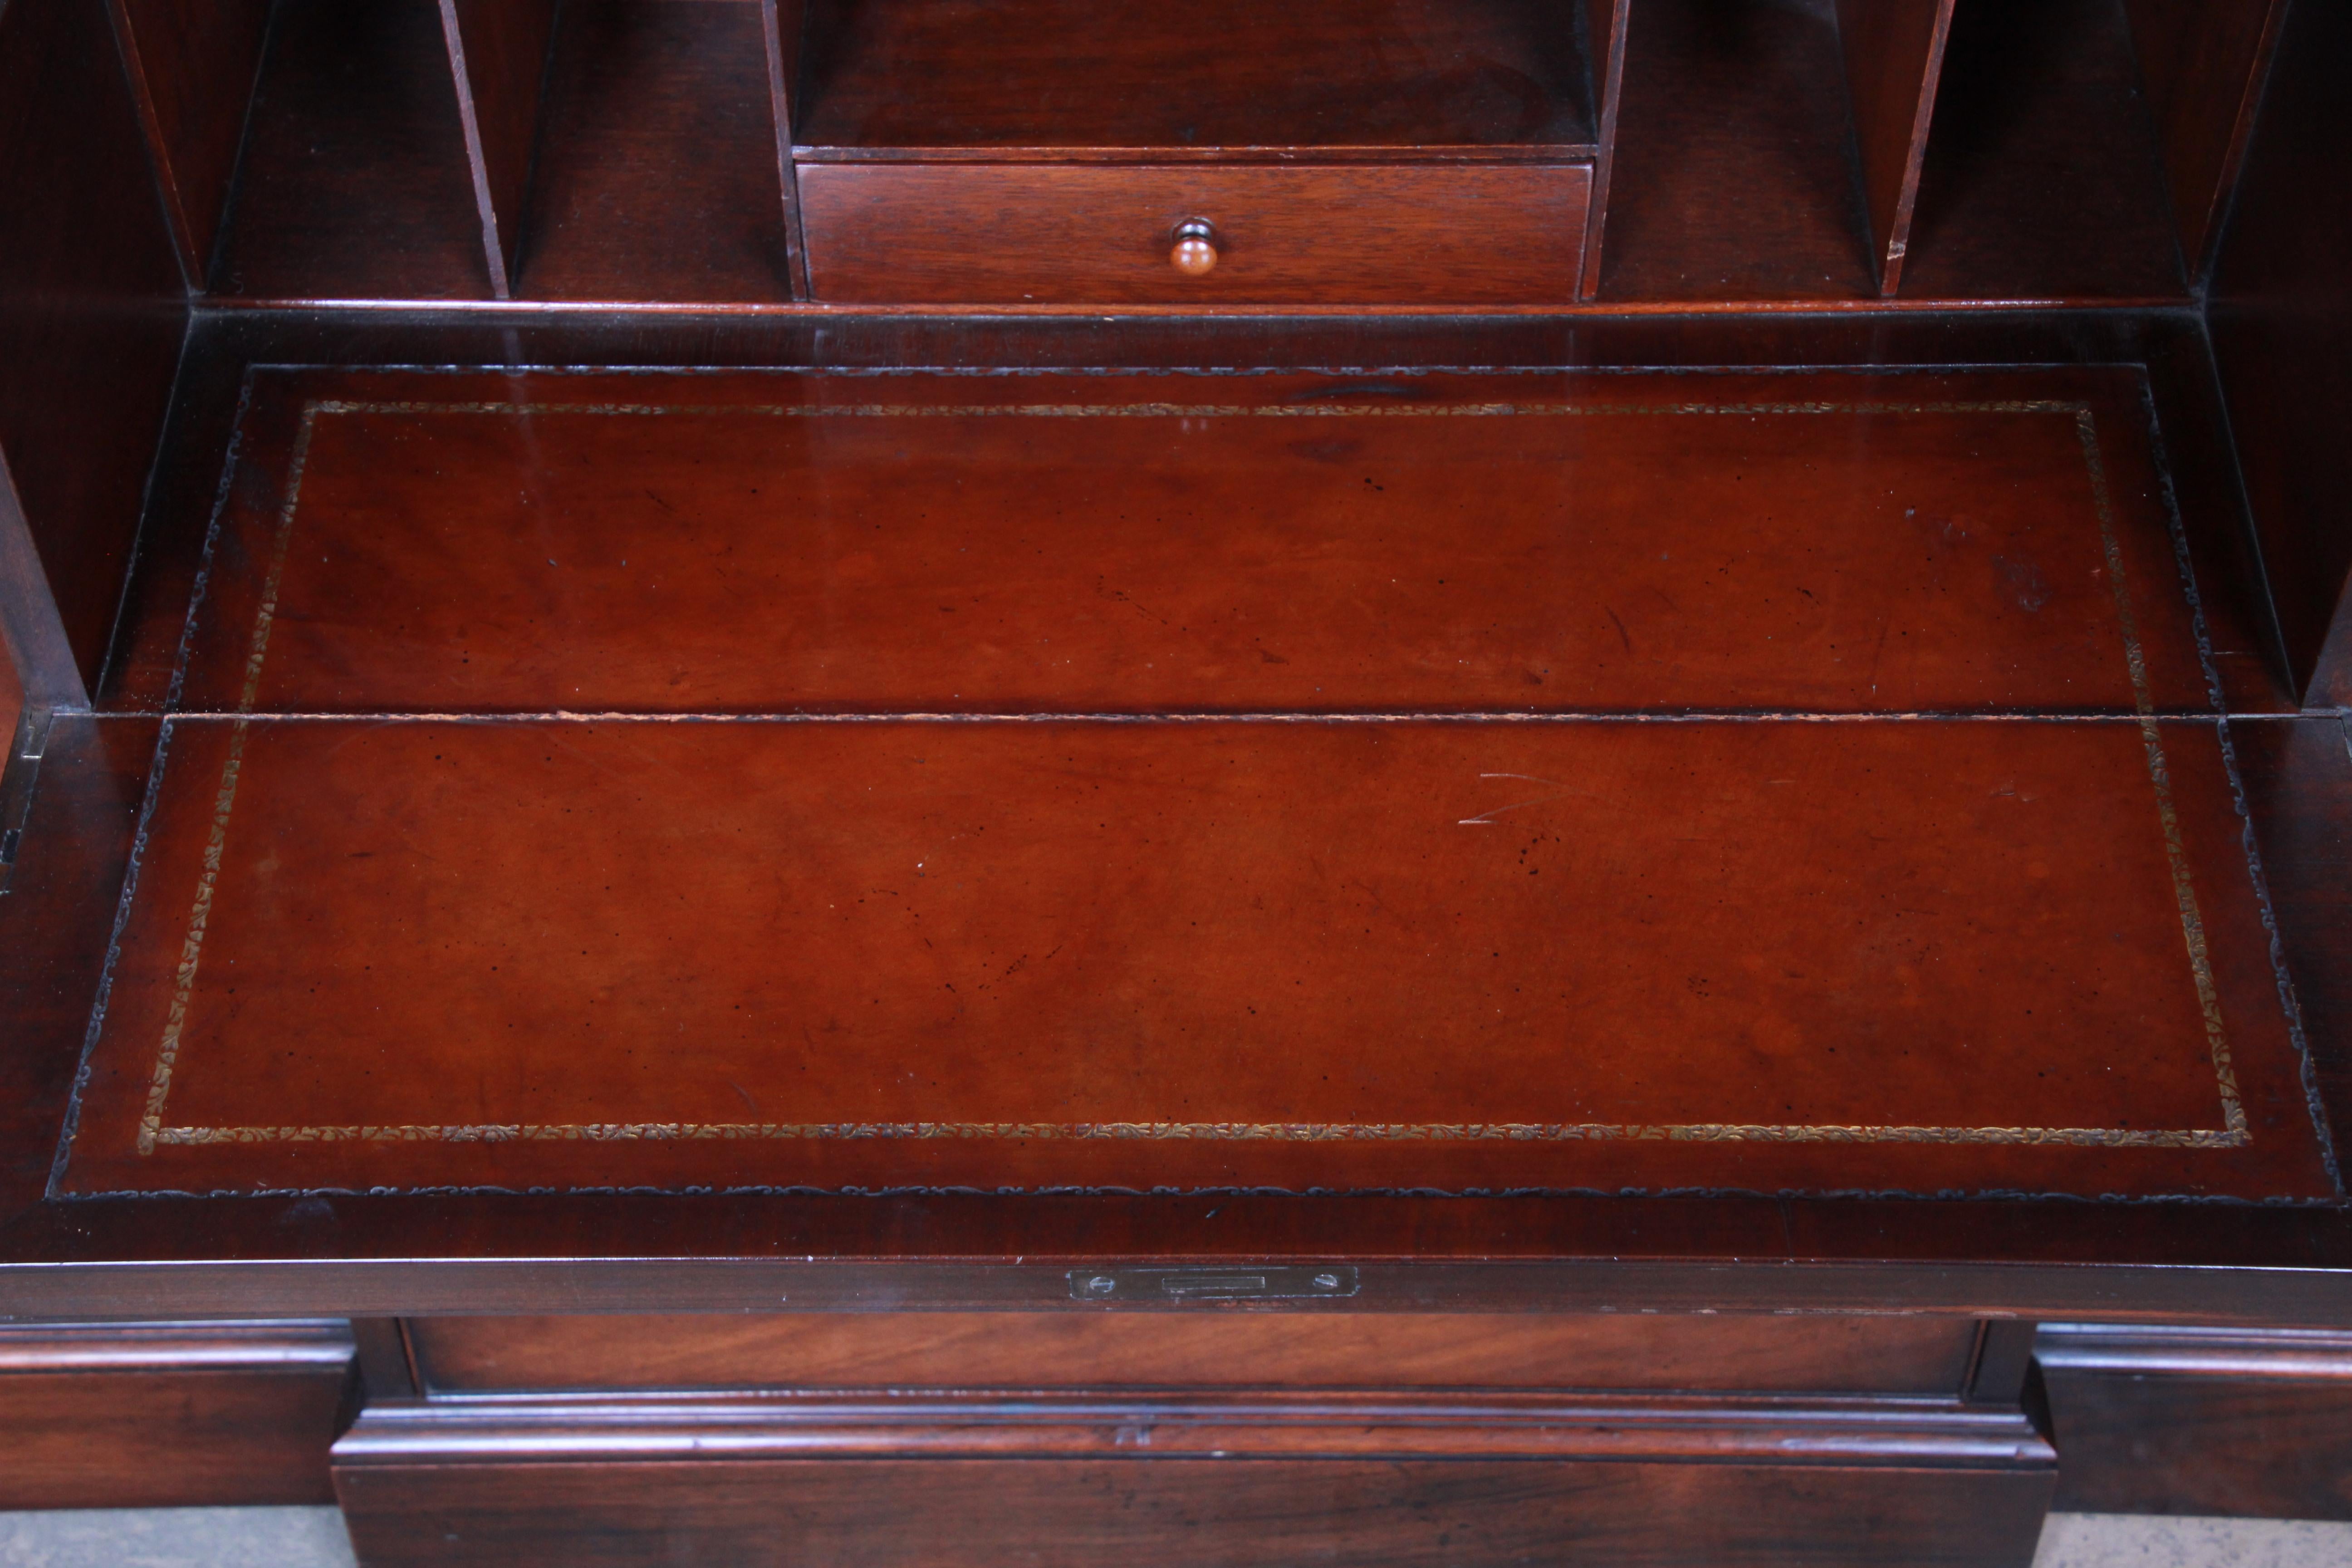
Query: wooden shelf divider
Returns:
{"type": "Point", "coordinates": [781, 25]}
{"type": "Point", "coordinates": [191, 65]}
{"type": "Point", "coordinates": [659, 170]}
{"type": "Point", "coordinates": [2203, 63]}
{"type": "Point", "coordinates": [1893, 57]}
{"type": "Point", "coordinates": [1605, 27]}
{"type": "Point", "coordinates": [498, 62]}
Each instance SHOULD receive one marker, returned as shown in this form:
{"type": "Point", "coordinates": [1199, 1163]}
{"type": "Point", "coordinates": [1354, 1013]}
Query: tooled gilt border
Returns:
{"type": "Point", "coordinates": [154, 1132]}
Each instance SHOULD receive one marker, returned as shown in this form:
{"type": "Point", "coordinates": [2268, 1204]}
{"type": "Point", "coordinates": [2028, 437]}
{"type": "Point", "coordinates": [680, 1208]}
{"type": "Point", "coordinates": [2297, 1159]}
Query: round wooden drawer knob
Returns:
{"type": "Point", "coordinates": [1195, 255]}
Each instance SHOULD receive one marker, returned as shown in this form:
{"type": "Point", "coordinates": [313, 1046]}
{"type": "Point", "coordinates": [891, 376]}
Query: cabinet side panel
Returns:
{"type": "Point", "coordinates": [91, 307]}
{"type": "Point", "coordinates": [2282, 327]}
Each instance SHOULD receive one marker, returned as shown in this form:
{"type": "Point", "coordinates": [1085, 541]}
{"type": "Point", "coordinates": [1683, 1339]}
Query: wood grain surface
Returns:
{"type": "Point", "coordinates": [1344, 234]}
{"type": "Point", "coordinates": [193, 64]}
{"type": "Point", "coordinates": [881, 75]}
{"type": "Point", "coordinates": [656, 174]}
{"type": "Point", "coordinates": [498, 64]}
{"type": "Point", "coordinates": [355, 181]}
{"type": "Point", "coordinates": [1894, 61]}
{"type": "Point", "coordinates": [1736, 176]}
{"type": "Point", "coordinates": [92, 309]}
{"type": "Point", "coordinates": [1928, 1356]}
{"type": "Point", "coordinates": [2280, 340]}
{"type": "Point", "coordinates": [2200, 1421]}
{"type": "Point", "coordinates": [1460, 1478]}
{"type": "Point", "coordinates": [169, 1414]}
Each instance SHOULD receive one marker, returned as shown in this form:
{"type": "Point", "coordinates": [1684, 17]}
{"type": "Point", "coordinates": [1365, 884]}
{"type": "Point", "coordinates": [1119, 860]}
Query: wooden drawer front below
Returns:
{"type": "Point", "coordinates": [1203, 1349]}
{"type": "Point", "coordinates": [1020, 234]}
{"type": "Point", "coordinates": [169, 1414]}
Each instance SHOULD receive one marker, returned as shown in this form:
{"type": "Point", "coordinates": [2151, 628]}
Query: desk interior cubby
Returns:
{"type": "Point", "coordinates": [1062, 79]}
{"type": "Point", "coordinates": [652, 150]}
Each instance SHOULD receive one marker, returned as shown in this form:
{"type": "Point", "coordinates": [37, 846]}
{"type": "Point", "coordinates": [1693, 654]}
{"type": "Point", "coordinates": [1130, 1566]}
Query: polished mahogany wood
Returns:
{"type": "Point", "coordinates": [1020, 234]}
{"type": "Point", "coordinates": [193, 64]}
{"type": "Point", "coordinates": [916, 77]}
{"type": "Point", "coordinates": [783, 26]}
{"type": "Point", "coordinates": [656, 170]}
{"type": "Point", "coordinates": [169, 1414]}
{"type": "Point", "coordinates": [1227, 1348]}
{"type": "Point", "coordinates": [1735, 172]}
{"type": "Point", "coordinates": [92, 309]}
{"type": "Point", "coordinates": [2044, 177]}
{"type": "Point", "coordinates": [1454, 1478]}
{"type": "Point", "coordinates": [2200, 1421]}
{"type": "Point", "coordinates": [2204, 63]}
{"type": "Point", "coordinates": [1607, 21]}
{"type": "Point", "coordinates": [1894, 60]}
{"type": "Point", "coordinates": [355, 181]}
{"type": "Point", "coordinates": [498, 62]}
{"type": "Point", "coordinates": [2280, 339]}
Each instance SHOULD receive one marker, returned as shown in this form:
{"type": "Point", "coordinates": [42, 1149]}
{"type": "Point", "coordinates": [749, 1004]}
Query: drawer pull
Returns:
{"type": "Point", "coordinates": [1195, 255]}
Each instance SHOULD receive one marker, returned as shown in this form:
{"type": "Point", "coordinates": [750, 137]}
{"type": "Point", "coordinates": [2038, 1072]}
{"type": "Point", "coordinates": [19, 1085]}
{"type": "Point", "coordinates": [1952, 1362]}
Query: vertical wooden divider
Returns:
{"type": "Point", "coordinates": [498, 57]}
{"type": "Point", "coordinates": [193, 65]}
{"type": "Point", "coordinates": [1605, 35]}
{"type": "Point", "coordinates": [780, 21]}
{"type": "Point", "coordinates": [1893, 55]}
{"type": "Point", "coordinates": [2203, 63]}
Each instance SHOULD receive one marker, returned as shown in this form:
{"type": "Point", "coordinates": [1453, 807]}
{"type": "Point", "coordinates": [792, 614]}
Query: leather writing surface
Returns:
{"type": "Point", "coordinates": [1303, 954]}
{"type": "Point", "coordinates": [791, 543]}
{"type": "Point", "coordinates": [1338, 898]}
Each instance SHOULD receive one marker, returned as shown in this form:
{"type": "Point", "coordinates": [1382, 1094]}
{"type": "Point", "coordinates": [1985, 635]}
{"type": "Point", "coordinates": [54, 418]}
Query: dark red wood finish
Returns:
{"type": "Point", "coordinates": [865, 818]}
{"type": "Point", "coordinates": [2200, 1421]}
{"type": "Point", "coordinates": [782, 27]}
{"type": "Point", "coordinates": [2204, 63]}
{"type": "Point", "coordinates": [915, 78]}
{"type": "Point", "coordinates": [2281, 339]}
{"type": "Point", "coordinates": [656, 176]}
{"type": "Point", "coordinates": [1209, 1349]}
{"type": "Point", "coordinates": [1894, 60]}
{"type": "Point", "coordinates": [92, 307]}
{"type": "Point", "coordinates": [2043, 178]}
{"type": "Point", "coordinates": [498, 62]}
{"type": "Point", "coordinates": [169, 1414]}
{"type": "Point", "coordinates": [1452, 1478]}
{"type": "Point", "coordinates": [1067, 234]}
{"type": "Point", "coordinates": [1735, 172]}
{"type": "Point", "coordinates": [355, 183]}
{"type": "Point", "coordinates": [1608, 21]}
{"type": "Point", "coordinates": [193, 64]}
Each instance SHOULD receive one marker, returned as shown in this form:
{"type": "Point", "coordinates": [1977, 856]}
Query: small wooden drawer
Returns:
{"type": "Point", "coordinates": [1458, 234]}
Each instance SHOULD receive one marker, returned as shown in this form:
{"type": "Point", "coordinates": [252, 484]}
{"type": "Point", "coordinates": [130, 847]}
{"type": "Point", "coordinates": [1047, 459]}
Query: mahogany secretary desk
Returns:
{"type": "Point", "coordinates": [1008, 781]}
